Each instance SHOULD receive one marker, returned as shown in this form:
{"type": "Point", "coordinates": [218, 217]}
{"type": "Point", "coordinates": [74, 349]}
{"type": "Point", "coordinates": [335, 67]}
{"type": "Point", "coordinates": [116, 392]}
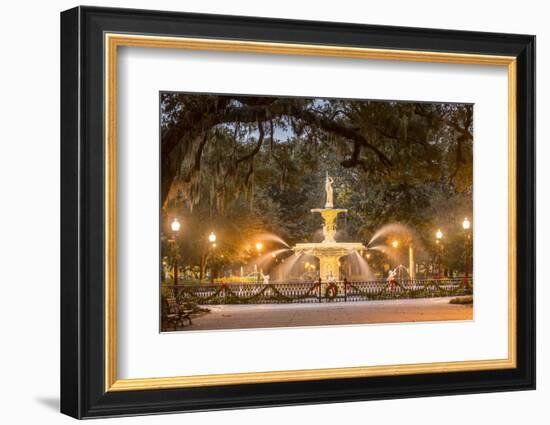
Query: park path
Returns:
{"type": "Point", "coordinates": [361, 312]}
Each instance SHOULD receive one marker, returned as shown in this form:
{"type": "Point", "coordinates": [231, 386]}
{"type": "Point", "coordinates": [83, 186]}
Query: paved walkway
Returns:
{"type": "Point", "coordinates": [284, 315]}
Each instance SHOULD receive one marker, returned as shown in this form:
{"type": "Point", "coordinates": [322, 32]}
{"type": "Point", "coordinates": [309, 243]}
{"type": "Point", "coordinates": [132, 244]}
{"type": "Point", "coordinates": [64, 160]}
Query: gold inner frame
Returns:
{"type": "Point", "coordinates": [113, 41]}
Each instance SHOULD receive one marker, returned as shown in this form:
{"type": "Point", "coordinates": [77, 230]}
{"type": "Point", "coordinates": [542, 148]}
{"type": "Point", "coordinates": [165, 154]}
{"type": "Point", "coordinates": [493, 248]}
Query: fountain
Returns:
{"type": "Point", "coordinates": [329, 251]}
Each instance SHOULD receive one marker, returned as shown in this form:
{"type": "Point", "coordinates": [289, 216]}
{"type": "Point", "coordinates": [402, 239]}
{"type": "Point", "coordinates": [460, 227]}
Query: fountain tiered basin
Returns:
{"type": "Point", "coordinates": [329, 251]}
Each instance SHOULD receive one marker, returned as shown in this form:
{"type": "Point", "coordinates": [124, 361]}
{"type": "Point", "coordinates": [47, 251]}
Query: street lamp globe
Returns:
{"type": "Point", "coordinates": [212, 237]}
{"type": "Point", "coordinates": [175, 225]}
{"type": "Point", "coordinates": [466, 223]}
{"type": "Point", "coordinates": [259, 246]}
{"type": "Point", "coordinates": [395, 243]}
{"type": "Point", "coordinates": [439, 234]}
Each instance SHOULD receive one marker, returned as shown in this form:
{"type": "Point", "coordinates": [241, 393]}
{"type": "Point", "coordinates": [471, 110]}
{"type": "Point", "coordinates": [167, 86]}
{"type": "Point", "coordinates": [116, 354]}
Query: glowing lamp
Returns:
{"type": "Point", "coordinates": [175, 225]}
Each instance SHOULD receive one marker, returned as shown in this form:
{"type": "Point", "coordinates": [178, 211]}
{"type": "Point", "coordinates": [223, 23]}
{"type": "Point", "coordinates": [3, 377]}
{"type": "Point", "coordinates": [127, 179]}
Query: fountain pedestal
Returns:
{"type": "Point", "coordinates": [329, 254]}
{"type": "Point", "coordinates": [329, 222]}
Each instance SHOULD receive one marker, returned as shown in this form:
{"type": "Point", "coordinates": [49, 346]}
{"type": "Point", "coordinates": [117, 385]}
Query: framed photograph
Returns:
{"type": "Point", "coordinates": [261, 212]}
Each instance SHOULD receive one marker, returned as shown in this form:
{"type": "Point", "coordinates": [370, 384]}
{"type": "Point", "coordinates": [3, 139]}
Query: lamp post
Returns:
{"type": "Point", "coordinates": [259, 247]}
{"type": "Point", "coordinates": [164, 268]}
{"type": "Point", "coordinates": [412, 264]}
{"type": "Point", "coordinates": [175, 226]}
{"type": "Point", "coordinates": [438, 237]}
{"type": "Point", "coordinates": [467, 244]}
{"type": "Point", "coordinates": [212, 239]}
{"type": "Point", "coordinates": [395, 246]}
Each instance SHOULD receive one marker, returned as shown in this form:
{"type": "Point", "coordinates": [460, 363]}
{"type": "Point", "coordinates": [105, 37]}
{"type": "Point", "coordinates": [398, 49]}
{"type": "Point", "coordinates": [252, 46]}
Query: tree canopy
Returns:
{"type": "Point", "coordinates": [243, 164]}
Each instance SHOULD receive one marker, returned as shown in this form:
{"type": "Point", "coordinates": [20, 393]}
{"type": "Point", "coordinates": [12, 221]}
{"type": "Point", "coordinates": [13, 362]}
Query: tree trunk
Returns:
{"type": "Point", "coordinates": [204, 263]}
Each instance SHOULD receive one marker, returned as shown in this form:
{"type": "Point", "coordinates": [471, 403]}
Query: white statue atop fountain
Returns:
{"type": "Point", "coordinates": [328, 188]}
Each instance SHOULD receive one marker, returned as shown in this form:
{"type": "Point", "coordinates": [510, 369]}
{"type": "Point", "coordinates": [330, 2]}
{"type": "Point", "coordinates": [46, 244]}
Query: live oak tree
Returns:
{"type": "Point", "coordinates": [259, 161]}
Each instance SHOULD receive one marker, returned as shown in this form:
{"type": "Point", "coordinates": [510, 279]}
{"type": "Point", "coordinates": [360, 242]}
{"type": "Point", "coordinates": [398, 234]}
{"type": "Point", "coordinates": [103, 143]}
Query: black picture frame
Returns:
{"type": "Point", "coordinates": [83, 392]}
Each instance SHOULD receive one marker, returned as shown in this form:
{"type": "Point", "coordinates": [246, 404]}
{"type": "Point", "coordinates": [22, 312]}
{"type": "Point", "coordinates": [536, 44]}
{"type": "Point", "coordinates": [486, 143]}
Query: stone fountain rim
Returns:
{"type": "Point", "coordinates": [329, 245]}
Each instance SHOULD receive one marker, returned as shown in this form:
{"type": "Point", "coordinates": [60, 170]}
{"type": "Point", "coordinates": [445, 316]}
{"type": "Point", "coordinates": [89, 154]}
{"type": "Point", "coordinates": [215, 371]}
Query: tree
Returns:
{"type": "Point", "coordinates": [253, 164]}
{"type": "Point", "coordinates": [370, 135]}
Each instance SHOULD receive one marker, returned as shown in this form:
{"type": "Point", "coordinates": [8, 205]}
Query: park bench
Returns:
{"type": "Point", "coordinates": [177, 313]}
